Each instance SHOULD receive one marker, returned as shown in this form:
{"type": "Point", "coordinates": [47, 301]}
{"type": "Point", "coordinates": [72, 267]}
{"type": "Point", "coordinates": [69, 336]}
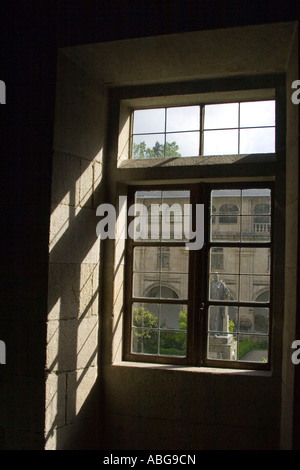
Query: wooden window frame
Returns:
{"type": "Point", "coordinates": [198, 300]}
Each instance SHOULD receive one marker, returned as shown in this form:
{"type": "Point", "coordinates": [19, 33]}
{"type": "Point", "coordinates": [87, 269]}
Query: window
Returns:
{"type": "Point", "coordinates": [261, 219]}
{"type": "Point", "coordinates": [208, 306]}
{"type": "Point", "coordinates": [228, 214]}
{"type": "Point", "coordinates": [211, 306]}
{"type": "Point", "coordinates": [158, 278]}
{"type": "Point", "coordinates": [210, 129]}
{"type": "Point", "coordinates": [217, 256]}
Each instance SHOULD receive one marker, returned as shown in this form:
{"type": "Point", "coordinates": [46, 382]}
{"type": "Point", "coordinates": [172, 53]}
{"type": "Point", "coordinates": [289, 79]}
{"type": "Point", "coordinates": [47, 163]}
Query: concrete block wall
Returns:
{"type": "Point", "coordinates": [74, 261]}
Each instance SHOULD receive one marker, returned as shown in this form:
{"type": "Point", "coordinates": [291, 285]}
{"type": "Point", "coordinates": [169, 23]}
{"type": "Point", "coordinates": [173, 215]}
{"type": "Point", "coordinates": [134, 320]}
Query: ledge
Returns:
{"type": "Point", "coordinates": [198, 161]}
{"type": "Point", "coordinates": [192, 369]}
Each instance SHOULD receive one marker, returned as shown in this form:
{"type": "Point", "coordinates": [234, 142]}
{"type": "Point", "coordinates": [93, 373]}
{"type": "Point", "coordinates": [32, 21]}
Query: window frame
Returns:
{"type": "Point", "coordinates": [202, 130]}
{"type": "Point", "coordinates": [198, 301]}
{"type": "Point", "coordinates": [250, 168]}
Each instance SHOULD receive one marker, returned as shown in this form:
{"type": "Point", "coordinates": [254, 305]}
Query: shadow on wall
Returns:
{"type": "Point", "coordinates": [72, 391]}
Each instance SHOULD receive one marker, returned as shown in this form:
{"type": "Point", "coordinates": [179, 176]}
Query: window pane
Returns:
{"type": "Point", "coordinates": [178, 259]}
{"type": "Point", "coordinates": [257, 140]}
{"type": "Point", "coordinates": [145, 321]}
{"type": "Point", "coordinates": [146, 259]}
{"type": "Point", "coordinates": [174, 286]}
{"type": "Point", "coordinates": [222, 347]}
{"type": "Point", "coordinates": [253, 231]}
{"type": "Point", "coordinates": [183, 118]}
{"type": "Point", "coordinates": [220, 142]}
{"type": "Point", "coordinates": [225, 230]}
{"type": "Point", "coordinates": [255, 261]}
{"type": "Point", "coordinates": [253, 348]}
{"type": "Point", "coordinates": [252, 286]}
{"type": "Point", "coordinates": [182, 144]}
{"type": "Point", "coordinates": [225, 259]}
{"type": "Point", "coordinates": [172, 343]}
{"type": "Point", "coordinates": [222, 318]}
{"type": "Point", "coordinates": [146, 285]}
{"type": "Point", "coordinates": [257, 113]}
{"type": "Point", "coordinates": [145, 315]}
{"type": "Point", "coordinates": [224, 287]}
{"type": "Point", "coordinates": [256, 201]}
{"type": "Point", "coordinates": [254, 320]}
{"type": "Point", "coordinates": [221, 116]}
{"type": "Point", "coordinates": [144, 341]}
{"type": "Point", "coordinates": [149, 120]}
{"type": "Point", "coordinates": [173, 317]}
{"type": "Point", "coordinates": [148, 146]}
{"type": "Point", "coordinates": [159, 329]}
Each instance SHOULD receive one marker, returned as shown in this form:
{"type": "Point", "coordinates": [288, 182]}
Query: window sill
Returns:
{"type": "Point", "coordinates": [199, 161]}
{"type": "Point", "coordinates": [192, 369]}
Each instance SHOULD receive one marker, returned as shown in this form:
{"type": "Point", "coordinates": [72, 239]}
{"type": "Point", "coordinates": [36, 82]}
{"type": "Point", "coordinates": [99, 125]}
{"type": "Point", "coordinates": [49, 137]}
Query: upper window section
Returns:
{"type": "Point", "coordinates": [203, 130]}
{"type": "Point", "coordinates": [166, 132]}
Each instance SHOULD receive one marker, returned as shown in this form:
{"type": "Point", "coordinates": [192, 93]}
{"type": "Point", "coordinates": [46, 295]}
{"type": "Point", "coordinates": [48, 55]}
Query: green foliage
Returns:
{"type": "Point", "coordinates": [231, 326]}
{"type": "Point", "coordinates": [172, 343]}
{"type": "Point", "coordinates": [183, 320]}
{"type": "Point", "coordinates": [248, 345]}
{"type": "Point", "coordinates": [158, 151]}
{"type": "Point", "coordinates": [143, 318]}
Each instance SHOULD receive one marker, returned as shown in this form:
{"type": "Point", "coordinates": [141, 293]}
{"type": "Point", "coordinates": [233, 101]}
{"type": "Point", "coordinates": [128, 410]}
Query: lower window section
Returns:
{"type": "Point", "coordinates": [159, 329]}
{"type": "Point", "coordinates": [238, 333]}
{"type": "Point", "coordinates": [201, 307]}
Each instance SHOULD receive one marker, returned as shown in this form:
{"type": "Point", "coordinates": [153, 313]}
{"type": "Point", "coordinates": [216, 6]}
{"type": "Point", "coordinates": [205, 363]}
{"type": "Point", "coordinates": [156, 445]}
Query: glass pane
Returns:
{"type": "Point", "coordinates": [145, 315]}
{"type": "Point", "coordinates": [255, 261]}
{"type": "Point", "coordinates": [223, 287]}
{"type": "Point", "coordinates": [174, 259]}
{"type": "Point", "coordinates": [164, 285]}
{"type": "Point", "coordinates": [253, 348]}
{"type": "Point", "coordinates": [225, 230]}
{"type": "Point", "coordinates": [172, 343]}
{"type": "Point", "coordinates": [149, 120]}
{"type": "Point", "coordinates": [224, 259]}
{"type": "Point", "coordinates": [254, 320]}
{"type": "Point", "coordinates": [222, 318]}
{"type": "Point", "coordinates": [225, 199]}
{"type": "Point", "coordinates": [222, 347]}
{"type": "Point", "coordinates": [260, 140]}
{"type": "Point", "coordinates": [144, 341]}
{"type": "Point", "coordinates": [148, 146]}
{"type": "Point", "coordinates": [256, 201]}
{"type": "Point", "coordinates": [174, 286]}
{"type": "Point", "coordinates": [160, 216]}
{"type": "Point", "coordinates": [256, 230]}
{"type": "Point", "coordinates": [147, 197]}
{"type": "Point", "coordinates": [221, 116]}
{"type": "Point", "coordinates": [257, 113]}
{"type": "Point", "coordinates": [182, 144]}
{"type": "Point", "coordinates": [146, 285]}
{"type": "Point", "coordinates": [145, 226]}
{"type": "Point", "coordinates": [173, 317]}
{"type": "Point", "coordinates": [183, 118]}
{"type": "Point", "coordinates": [221, 142]}
{"type": "Point", "coordinates": [253, 286]}
{"type": "Point", "coordinates": [146, 259]}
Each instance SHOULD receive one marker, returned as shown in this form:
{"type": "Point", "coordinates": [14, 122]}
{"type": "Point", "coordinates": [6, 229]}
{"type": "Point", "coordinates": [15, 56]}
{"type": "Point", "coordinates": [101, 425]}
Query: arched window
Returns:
{"type": "Point", "coordinates": [261, 219]}
{"type": "Point", "coordinates": [162, 292]}
{"type": "Point", "coordinates": [261, 213]}
{"type": "Point", "coordinates": [228, 214]}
